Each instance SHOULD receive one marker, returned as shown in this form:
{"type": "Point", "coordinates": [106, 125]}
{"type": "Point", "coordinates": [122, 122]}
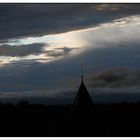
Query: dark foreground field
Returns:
{"type": "Point", "coordinates": [33, 120]}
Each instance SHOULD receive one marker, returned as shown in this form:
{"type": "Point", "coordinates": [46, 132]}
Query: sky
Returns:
{"type": "Point", "coordinates": [42, 48]}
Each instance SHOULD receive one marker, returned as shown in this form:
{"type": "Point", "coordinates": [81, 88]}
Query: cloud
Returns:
{"type": "Point", "coordinates": [120, 77]}
{"type": "Point", "coordinates": [116, 7]}
{"type": "Point", "coordinates": [114, 36]}
{"type": "Point", "coordinates": [111, 45]}
{"type": "Point", "coordinates": [112, 7]}
{"type": "Point", "coordinates": [64, 51]}
{"type": "Point", "coordinates": [38, 19]}
{"type": "Point", "coordinates": [20, 51]}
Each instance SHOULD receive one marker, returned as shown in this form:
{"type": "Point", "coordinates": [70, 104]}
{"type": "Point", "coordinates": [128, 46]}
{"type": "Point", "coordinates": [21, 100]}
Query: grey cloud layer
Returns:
{"type": "Point", "coordinates": [34, 19]}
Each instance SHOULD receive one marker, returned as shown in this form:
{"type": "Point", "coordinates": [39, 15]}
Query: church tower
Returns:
{"type": "Point", "coordinates": [82, 99]}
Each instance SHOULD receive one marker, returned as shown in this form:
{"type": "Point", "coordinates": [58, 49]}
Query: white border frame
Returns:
{"type": "Point", "coordinates": [69, 1]}
{"type": "Point", "coordinates": [69, 138]}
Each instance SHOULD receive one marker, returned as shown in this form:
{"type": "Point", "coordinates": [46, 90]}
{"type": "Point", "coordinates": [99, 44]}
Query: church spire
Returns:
{"type": "Point", "coordinates": [81, 73]}
{"type": "Point", "coordinates": [82, 98]}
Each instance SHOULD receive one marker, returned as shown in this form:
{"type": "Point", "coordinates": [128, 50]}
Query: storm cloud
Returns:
{"type": "Point", "coordinates": [38, 19]}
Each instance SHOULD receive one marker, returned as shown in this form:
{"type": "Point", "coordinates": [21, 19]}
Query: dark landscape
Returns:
{"type": "Point", "coordinates": [24, 119]}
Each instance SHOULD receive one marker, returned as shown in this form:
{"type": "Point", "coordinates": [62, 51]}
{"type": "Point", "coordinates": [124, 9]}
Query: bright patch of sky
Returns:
{"type": "Point", "coordinates": [71, 43]}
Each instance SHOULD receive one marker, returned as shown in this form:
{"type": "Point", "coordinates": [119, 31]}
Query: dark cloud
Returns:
{"type": "Point", "coordinates": [115, 78]}
{"type": "Point", "coordinates": [37, 19]}
{"type": "Point", "coordinates": [60, 51]}
{"type": "Point", "coordinates": [67, 50]}
{"type": "Point", "coordinates": [24, 50]}
{"type": "Point", "coordinates": [54, 53]}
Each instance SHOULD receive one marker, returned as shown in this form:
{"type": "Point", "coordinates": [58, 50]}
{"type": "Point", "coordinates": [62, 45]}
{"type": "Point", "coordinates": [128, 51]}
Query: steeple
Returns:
{"type": "Point", "coordinates": [82, 99]}
{"type": "Point", "coordinates": [81, 73]}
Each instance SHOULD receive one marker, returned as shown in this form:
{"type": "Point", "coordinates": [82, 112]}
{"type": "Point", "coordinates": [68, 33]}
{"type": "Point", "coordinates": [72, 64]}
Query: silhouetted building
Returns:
{"type": "Point", "coordinates": [83, 99]}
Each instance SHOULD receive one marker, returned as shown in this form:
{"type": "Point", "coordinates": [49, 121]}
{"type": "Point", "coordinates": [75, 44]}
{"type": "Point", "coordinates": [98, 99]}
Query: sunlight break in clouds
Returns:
{"type": "Point", "coordinates": [71, 43]}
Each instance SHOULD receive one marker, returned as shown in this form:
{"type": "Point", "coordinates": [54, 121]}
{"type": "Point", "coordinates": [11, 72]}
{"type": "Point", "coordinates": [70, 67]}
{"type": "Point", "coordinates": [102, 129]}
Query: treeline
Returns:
{"type": "Point", "coordinates": [25, 119]}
